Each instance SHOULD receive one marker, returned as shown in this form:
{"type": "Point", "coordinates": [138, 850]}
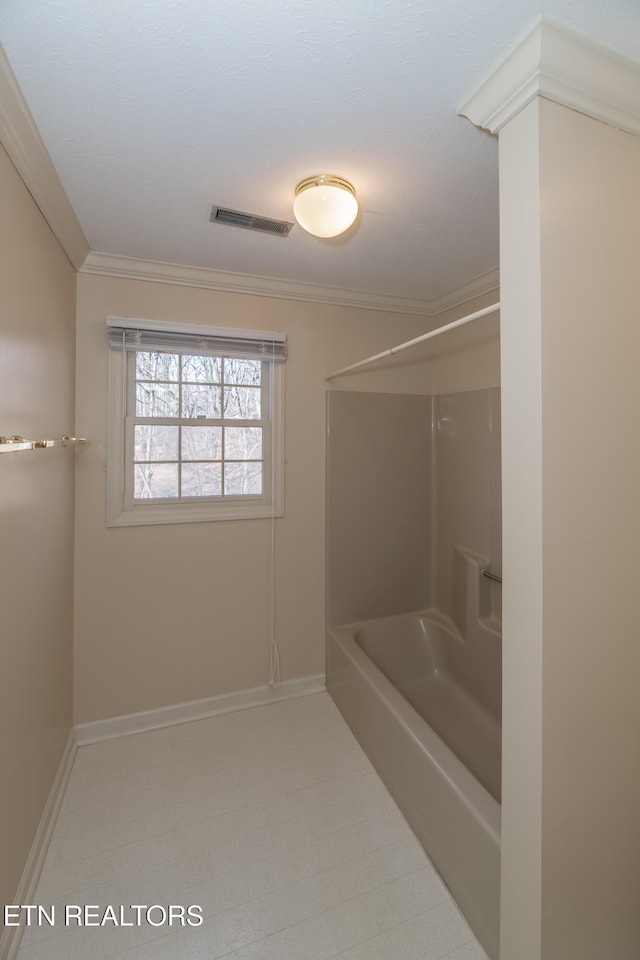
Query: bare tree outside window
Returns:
{"type": "Point", "coordinates": [199, 426]}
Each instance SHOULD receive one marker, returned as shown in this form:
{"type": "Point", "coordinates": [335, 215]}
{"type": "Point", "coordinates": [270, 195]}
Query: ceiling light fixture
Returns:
{"type": "Point", "coordinates": [325, 205]}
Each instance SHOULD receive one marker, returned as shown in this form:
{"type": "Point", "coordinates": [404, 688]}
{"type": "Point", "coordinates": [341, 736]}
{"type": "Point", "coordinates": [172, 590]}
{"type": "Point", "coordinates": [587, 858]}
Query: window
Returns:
{"type": "Point", "coordinates": [195, 423]}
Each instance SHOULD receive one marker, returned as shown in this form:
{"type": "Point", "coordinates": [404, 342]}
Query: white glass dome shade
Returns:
{"type": "Point", "coordinates": [325, 205]}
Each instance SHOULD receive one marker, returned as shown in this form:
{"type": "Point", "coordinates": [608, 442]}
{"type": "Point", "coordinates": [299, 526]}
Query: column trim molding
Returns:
{"type": "Point", "coordinates": [565, 67]}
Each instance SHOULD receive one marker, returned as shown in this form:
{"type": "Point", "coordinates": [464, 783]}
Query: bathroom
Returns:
{"type": "Point", "coordinates": [123, 638]}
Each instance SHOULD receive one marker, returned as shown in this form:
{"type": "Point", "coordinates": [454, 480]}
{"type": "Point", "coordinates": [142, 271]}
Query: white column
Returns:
{"type": "Point", "coordinates": [570, 320]}
{"type": "Point", "coordinates": [522, 558]}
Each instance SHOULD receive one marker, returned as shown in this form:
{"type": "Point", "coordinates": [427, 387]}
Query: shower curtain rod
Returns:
{"type": "Point", "coordinates": [411, 343]}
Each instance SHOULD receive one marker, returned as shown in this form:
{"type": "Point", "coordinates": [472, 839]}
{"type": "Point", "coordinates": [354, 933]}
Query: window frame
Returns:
{"type": "Point", "coordinates": [123, 510]}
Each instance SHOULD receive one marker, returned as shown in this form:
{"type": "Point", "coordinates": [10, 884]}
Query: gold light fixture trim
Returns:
{"type": "Point", "coordinates": [325, 179]}
{"type": "Point", "coordinates": [325, 205]}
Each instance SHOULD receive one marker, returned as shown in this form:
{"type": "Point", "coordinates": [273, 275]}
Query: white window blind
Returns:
{"type": "Point", "coordinates": [131, 333]}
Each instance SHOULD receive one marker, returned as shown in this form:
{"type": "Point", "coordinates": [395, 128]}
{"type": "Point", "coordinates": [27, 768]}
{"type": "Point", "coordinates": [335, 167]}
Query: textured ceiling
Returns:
{"type": "Point", "coordinates": [153, 110]}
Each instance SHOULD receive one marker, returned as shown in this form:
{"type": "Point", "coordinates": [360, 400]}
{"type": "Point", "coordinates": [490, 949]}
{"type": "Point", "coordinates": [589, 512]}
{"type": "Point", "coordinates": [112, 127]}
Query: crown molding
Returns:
{"type": "Point", "coordinates": [559, 65]}
{"type": "Point", "coordinates": [484, 284]}
{"type": "Point", "coordinates": [156, 271]}
{"type": "Point", "coordinates": [25, 147]}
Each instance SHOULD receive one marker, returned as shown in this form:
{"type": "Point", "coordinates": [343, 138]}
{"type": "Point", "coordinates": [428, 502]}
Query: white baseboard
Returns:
{"type": "Point", "coordinates": [11, 936]}
{"type": "Point", "coordinates": [195, 710]}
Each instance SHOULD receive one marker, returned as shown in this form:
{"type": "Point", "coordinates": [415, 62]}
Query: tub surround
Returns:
{"type": "Point", "coordinates": [466, 497]}
{"type": "Point", "coordinates": [379, 457]}
{"type": "Point", "coordinates": [412, 483]}
{"type": "Point", "coordinates": [422, 690]}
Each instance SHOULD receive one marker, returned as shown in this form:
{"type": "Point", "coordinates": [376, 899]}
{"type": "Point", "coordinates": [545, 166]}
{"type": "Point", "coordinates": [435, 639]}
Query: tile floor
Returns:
{"type": "Point", "coordinates": [271, 819]}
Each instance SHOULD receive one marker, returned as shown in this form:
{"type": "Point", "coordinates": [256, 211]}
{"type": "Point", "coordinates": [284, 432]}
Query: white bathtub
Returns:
{"type": "Point", "coordinates": [425, 706]}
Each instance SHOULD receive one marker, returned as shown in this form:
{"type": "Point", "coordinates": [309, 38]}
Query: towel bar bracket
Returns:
{"type": "Point", "coordinates": [491, 576]}
{"type": "Point", "coordinates": [16, 444]}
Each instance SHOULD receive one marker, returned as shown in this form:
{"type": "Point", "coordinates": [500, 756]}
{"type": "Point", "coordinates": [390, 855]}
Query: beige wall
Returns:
{"type": "Point", "coordinates": [467, 358]}
{"type": "Point", "coordinates": [171, 613]}
{"type": "Point", "coordinates": [37, 312]}
{"type": "Point", "coordinates": [571, 455]}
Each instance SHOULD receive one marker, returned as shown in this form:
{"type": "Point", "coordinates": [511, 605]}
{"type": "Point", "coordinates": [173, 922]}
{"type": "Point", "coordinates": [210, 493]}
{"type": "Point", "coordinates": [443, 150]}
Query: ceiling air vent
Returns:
{"type": "Point", "coordinates": [236, 218]}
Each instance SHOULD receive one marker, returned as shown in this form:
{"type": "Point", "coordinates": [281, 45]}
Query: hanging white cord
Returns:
{"type": "Point", "coordinates": [274, 675]}
{"type": "Point", "coordinates": [124, 407]}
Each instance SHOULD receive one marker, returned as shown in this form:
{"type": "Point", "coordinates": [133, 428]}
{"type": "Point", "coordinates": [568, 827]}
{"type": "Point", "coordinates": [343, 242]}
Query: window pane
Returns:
{"type": "Point", "coordinates": [155, 480]}
{"type": "Point", "coordinates": [201, 369]}
{"type": "Point", "coordinates": [156, 400]}
{"type": "Point", "coordinates": [242, 479]}
{"type": "Point", "coordinates": [156, 366]}
{"type": "Point", "coordinates": [155, 443]}
{"type": "Point", "coordinates": [246, 372]}
{"type": "Point", "coordinates": [200, 401]}
{"type": "Point", "coordinates": [243, 443]}
{"type": "Point", "coordinates": [202, 443]}
{"type": "Point", "coordinates": [242, 403]}
{"type": "Point", "coordinates": [201, 479]}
